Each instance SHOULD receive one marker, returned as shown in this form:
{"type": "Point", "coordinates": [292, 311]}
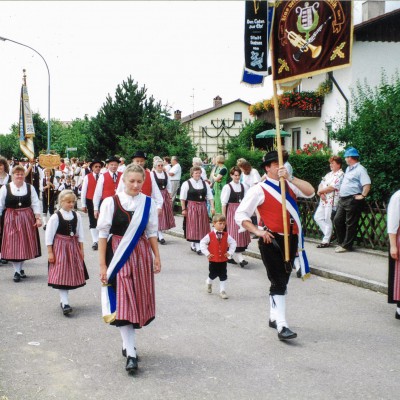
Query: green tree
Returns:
{"type": "Point", "coordinates": [374, 131]}
{"type": "Point", "coordinates": [119, 118]}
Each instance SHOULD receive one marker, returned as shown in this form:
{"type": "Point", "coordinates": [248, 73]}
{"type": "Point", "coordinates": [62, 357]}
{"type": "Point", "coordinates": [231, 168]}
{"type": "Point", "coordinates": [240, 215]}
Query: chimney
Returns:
{"type": "Point", "coordinates": [372, 9]}
{"type": "Point", "coordinates": [217, 102]}
{"type": "Point", "coordinates": [177, 115]}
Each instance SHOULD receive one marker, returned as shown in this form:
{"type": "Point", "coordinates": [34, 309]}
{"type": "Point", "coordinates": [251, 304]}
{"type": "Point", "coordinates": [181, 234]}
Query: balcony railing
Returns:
{"type": "Point", "coordinates": [290, 115]}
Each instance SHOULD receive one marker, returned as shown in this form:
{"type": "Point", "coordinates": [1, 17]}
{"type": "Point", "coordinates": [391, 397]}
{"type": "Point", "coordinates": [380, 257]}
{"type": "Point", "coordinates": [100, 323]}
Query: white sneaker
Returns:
{"type": "Point", "coordinates": [340, 249]}
{"type": "Point", "coordinates": [209, 288]}
{"type": "Point", "coordinates": [223, 295]}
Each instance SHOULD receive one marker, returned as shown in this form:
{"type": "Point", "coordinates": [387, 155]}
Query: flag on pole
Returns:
{"type": "Point", "coordinates": [26, 128]}
{"type": "Point", "coordinates": [311, 37]}
{"type": "Point", "coordinates": [257, 29]}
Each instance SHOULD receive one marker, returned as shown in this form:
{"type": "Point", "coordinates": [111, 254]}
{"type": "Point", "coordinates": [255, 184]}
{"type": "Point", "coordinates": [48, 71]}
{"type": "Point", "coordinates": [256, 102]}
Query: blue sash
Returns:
{"type": "Point", "coordinates": [293, 209]}
{"type": "Point", "coordinates": [109, 300]}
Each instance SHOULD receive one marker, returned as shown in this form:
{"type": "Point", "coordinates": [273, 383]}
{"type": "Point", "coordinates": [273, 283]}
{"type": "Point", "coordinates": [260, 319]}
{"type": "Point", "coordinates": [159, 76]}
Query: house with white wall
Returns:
{"type": "Point", "coordinates": [211, 129]}
{"type": "Point", "coordinates": [376, 50]}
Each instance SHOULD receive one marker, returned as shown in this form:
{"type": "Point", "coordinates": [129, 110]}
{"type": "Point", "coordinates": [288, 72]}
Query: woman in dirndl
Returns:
{"type": "Point", "coordinates": [64, 241]}
{"type": "Point", "coordinates": [166, 218]}
{"type": "Point", "coordinates": [4, 179]}
{"type": "Point", "coordinates": [194, 195]}
{"type": "Point", "coordinates": [20, 211]}
{"type": "Point", "coordinates": [231, 196]}
{"type": "Point", "coordinates": [128, 225]}
{"type": "Point", "coordinates": [393, 227]}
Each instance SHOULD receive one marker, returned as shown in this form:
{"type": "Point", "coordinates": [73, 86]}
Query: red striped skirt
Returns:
{"type": "Point", "coordinates": [166, 220]}
{"type": "Point", "coordinates": [242, 239]}
{"type": "Point", "coordinates": [197, 222]}
{"type": "Point", "coordinates": [20, 236]}
{"type": "Point", "coordinates": [68, 271]}
{"type": "Point", "coordinates": [135, 285]}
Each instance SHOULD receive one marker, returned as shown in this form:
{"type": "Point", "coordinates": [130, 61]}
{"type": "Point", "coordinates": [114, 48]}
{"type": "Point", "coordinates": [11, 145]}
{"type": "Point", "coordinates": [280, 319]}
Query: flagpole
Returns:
{"type": "Point", "coordinates": [48, 72]}
{"type": "Point", "coordinates": [280, 156]}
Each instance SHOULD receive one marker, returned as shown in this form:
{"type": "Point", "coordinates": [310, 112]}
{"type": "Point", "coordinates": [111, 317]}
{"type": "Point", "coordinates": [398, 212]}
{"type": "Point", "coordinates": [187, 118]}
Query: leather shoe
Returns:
{"type": "Point", "coordinates": [22, 273]}
{"type": "Point", "coordinates": [131, 364]}
{"type": "Point", "coordinates": [67, 309]}
{"type": "Point", "coordinates": [199, 253]}
{"type": "Point", "coordinates": [193, 249]}
{"type": "Point", "coordinates": [231, 261]}
{"type": "Point", "coordinates": [162, 241]}
{"type": "Point", "coordinates": [17, 277]}
{"type": "Point", "coordinates": [397, 315]}
{"type": "Point", "coordinates": [243, 263]}
{"type": "Point", "coordinates": [272, 324]}
{"type": "Point", "coordinates": [124, 354]}
{"type": "Point", "coordinates": [3, 261]}
{"type": "Point", "coordinates": [95, 246]}
{"type": "Point", "coordinates": [286, 334]}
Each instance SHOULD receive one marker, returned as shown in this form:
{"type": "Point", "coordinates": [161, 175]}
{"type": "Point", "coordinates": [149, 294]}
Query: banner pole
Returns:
{"type": "Point", "coordinates": [280, 156]}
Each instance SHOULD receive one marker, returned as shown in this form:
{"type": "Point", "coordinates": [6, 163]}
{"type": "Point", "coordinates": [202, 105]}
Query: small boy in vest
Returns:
{"type": "Point", "coordinates": [218, 246]}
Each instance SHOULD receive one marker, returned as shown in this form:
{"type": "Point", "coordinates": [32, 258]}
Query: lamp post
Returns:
{"type": "Point", "coordinates": [48, 72]}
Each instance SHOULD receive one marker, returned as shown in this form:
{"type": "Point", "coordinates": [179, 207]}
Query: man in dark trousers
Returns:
{"type": "Point", "coordinates": [266, 198]}
{"type": "Point", "coordinates": [355, 187]}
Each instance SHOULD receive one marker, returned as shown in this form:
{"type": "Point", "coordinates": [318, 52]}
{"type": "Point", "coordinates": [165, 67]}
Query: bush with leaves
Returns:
{"type": "Point", "coordinates": [374, 131]}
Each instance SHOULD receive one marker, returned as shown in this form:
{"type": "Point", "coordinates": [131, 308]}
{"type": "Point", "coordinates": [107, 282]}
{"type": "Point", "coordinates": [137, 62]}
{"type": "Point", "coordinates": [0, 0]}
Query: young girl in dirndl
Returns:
{"type": "Point", "coordinates": [64, 241]}
{"type": "Point", "coordinates": [231, 197]}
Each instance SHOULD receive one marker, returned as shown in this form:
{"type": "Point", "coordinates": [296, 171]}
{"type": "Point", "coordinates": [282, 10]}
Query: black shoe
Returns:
{"type": "Point", "coordinates": [3, 261]}
{"type": "Point", "coordinates": [286, 334]}
{"type": "Point", "coordinates": [231, 261]}
{"type": "Point", "coordinates": [95, 246]}
{"type": "Point", "coordinates": [17, 277]}
{"type": "Point", "coordinates": [124, 354]}
{"type": "Point", "coordinates": [397, 315]}
{"type": "Point", "coordinates": [131, 364]}
{"type": "Point", "coordinates": [272, 324]}
{"type": "Point", "coordinates": [67, 309]}
{"type": "Point", "coordinates": [162, 241]}
{"type": "Point", "coordinates": [243, 263]}
{"type": "Point", "coordinates": [44, 227]}
{"type": "Point", "coordinates": [199, 253]}
{"type": "Point", "coordinates": [193, 249]}
{"type": "Point", "coordinates": [22, 273]}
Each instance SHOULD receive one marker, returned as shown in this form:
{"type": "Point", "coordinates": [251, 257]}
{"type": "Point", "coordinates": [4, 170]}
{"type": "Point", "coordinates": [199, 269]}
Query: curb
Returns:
{"type": "Point", "coordinates": [325, 273]}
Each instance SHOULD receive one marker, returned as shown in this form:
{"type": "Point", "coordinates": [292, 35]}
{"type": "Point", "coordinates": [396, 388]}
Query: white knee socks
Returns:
{"type": "Point", "coordinates": [280, 302]}
{"type": "Point", "coordinates": [95, 235]}
{"type": "Point", "coordinates": [160, 235]}
{"type": "Point", "coordinates": [222, 286]}
{"type": "Point", "coordinates": [128, 339]}
{"type": "Point", "coordinates": [272, 308]}
{"type": "Point", "coordinates": [63, 296]}
{"type": "Point", "coordinates": [18, 266]}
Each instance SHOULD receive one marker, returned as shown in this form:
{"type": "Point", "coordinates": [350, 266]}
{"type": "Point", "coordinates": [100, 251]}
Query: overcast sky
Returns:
{"type": "Point", "coordinates": [176, 48]}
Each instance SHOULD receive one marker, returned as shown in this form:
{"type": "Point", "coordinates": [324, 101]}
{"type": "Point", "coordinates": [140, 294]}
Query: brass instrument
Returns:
{"type": "Point", "coordinates": [297, 41]}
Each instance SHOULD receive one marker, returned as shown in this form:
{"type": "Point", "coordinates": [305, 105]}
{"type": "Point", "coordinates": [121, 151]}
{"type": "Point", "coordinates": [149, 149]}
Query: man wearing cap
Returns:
{"type": "Point", "coordinates": [150, 187]}
{"type": "Point", "coordinates": [265, 197]}
{"type": "Point", "coordinates": [107, 184]}
{"type": "Point", "coordinates": [355, 187]}
{"type": "Point", "coordinates": [87, 194]}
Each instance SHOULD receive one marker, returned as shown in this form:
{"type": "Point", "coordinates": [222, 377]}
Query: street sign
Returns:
{"type": "Point", "coordinates": [72, 148]}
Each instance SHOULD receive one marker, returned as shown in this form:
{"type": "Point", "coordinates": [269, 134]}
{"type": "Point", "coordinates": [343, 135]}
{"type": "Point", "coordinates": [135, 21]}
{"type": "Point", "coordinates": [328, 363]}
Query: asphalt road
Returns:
{"type": "Point", "coordinates": [199, 346]}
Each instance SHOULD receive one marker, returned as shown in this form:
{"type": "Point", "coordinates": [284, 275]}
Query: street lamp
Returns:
{"type": "Point", "coordinates": [48, 72]}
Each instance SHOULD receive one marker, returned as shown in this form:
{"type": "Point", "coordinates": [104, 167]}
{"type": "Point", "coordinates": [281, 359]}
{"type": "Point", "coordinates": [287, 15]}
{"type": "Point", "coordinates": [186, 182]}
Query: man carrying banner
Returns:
{"type": "Point", "coordinates": [266, 198]}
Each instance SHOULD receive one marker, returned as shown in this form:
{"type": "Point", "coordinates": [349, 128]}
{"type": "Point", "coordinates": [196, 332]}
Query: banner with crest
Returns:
{"type": "Point", "coordinates": [26, 128]}
{"type": "Point", "coordinates": [311, 37]}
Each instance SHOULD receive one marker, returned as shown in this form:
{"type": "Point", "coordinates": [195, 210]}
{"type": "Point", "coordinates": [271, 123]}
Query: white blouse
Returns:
{"type": "Point", "coordinates": [22, 191]}
{"type": "Point", "coordinates": [52, 226]}
{"type": "Point", "coordinates": [196, 185]}
{"type": "Point", "coordinates": [128, 203]}
{"type": "Point", "coordinates": [226, 191]}
{"type": "Point", "coordinates": [393, 213]}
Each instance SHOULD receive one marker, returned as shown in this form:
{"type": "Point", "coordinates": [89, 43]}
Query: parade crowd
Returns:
{"type": "Point", "coordinates": [131, 205]}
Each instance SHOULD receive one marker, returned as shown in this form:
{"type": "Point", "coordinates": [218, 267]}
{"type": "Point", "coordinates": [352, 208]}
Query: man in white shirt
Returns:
{"type": "Point", "coordinates": [175, 174]}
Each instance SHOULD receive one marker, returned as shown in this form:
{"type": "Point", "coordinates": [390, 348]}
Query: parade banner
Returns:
{"type": "Point", "coordinates": [311, 37]}
{"type": "Point", "coordinates": [26, 128]}
{"type": "Point", "coordinates": [256, 37]}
